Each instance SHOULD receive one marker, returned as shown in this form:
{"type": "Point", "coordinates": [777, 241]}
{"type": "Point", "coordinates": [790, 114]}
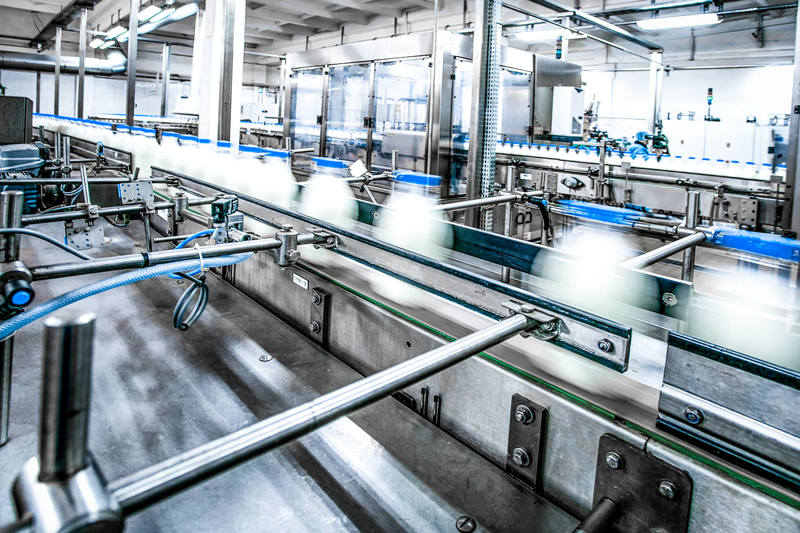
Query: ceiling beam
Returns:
{"type": "Point", "coordinates": [36, 7]}
{"type": "Point", "coordinates": [69, 13]}
{"type": "Point", "coordinates": [309, 8]}
{"type": "Point", "coordinates": [292, 18]}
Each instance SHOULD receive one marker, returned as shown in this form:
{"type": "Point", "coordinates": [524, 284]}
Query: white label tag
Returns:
{"type": "Point", "coordinates": [303, 282]}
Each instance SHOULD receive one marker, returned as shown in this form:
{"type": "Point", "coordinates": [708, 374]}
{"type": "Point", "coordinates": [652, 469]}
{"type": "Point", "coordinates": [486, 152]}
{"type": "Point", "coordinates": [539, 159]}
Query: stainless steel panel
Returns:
{"type": "Point", "coordinates": [721, 503]}
{"type": "Point", "coordinates": [740, 391]}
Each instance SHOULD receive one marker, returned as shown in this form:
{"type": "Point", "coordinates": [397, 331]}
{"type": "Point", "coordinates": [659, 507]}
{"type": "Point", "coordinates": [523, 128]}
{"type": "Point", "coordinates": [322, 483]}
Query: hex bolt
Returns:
{"type": "Point", "coordinates": [605, 345]}
{"type": "Point", "coordinates": [524, 415]}
{"type": "Point", "coordinates": [466, 524]}
{"type": "Point", "coordinates": [265, 358]}
{"type": "Point", "coordinates": [521, 457]}
{"type": "Point", "coordinates": [316, 298]}
{"type": "Point", "coordinates": [693, 415]}
{"type": "Point", "coordinates": [614, 460]}
{"type": "Point", "coordinates": [668, 490]}
{"type": "Point", "coordinates": [548, 326]}
{"type": "Point", "coordinates": [314, 327]}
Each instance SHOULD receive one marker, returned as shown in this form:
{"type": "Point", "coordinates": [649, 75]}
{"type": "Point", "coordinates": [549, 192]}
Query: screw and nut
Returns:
{"type": "Point", "coordinates": [521, 457]}
{"type": "Point", "coordinates": [524, 415]}
{"type": "Point", "coordinates": [614, 460]}
{"type": "Point", "coordinates": [668, 490]}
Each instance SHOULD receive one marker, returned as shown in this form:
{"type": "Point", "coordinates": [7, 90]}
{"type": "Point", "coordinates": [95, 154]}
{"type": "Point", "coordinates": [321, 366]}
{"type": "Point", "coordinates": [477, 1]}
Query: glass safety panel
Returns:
{"type": "Point", "coordinates": [401, 113]}
{"type": "Point", "coordinates": [460, 113]}
{"type": "Point", "coordinates": [514, 107]}
{"type": "Point", "coordinates": [306, 113]}
{"type": "Point", "coordinates": [348, 112]}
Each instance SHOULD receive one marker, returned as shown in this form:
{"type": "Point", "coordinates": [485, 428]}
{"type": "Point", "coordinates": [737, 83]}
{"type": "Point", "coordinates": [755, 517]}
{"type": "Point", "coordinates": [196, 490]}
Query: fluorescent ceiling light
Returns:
{"type": "Point", "coordinates": [546, 35]}
{"type": "Point", "coordinates": [164, 14]}
{"type": "Point", "coordinates": [704, 19]}
{"type": "Point", "coordinates": [116, 30]}
{"type": "Point", "coordinates": [96, 43]}
{"type": "Point", "coordinates": [148, 13]}
{"type": "Point", "coordinates": [124, 37]}
{"type": "Point", "coordinates": [107, 44]}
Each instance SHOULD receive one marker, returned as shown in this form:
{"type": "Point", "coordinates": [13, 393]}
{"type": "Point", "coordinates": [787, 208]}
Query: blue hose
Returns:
{"type": "Point", "coordinates": [10, 326]}
{"type": "Point", "coordinates": [186, 241]}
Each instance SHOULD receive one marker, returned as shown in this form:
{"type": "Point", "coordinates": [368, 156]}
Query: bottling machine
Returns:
{"type": "Point", "coordinates": [358, 384]}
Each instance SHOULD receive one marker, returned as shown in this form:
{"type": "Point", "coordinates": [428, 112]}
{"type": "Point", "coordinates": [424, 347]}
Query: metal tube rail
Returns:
{"type": "Point", "coordinates": [123, 262]}
{"type": "Point", "coordinates": [692, 216]}
{"type": "Point", "coordinates": [76, 181]}
{"type": "Point", "coordinates": [654, 256]}
{"type": "Point", "coordinates": [106, 211]}
{"type": "Point", "coordinates": [194, 217]}
{"type": "Point", "coordinates": [160, 481]}
{"type": "Point", "coordinates": [466, 204]}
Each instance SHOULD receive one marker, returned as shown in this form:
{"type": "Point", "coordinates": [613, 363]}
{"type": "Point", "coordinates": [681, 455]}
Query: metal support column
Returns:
{"type": "Point", "coordinates": [483, 120]}
{"type": "Point", "coordinates": [38, 92]}
{"type": "Point", "coordinates": [11, 204]}
{"type": "Point", "coordinates": [654, 98]}
{"type": "Point", "coordinates": [692, 214]}
{"type": "Point", "coordinates": [82, 62]}
{"type": "Point", "coordinates": [226, 80]}
{"type": "Point", "coordinates": [57, 86]}
{"type": "Point", "coordinates": [165, 57]}
{"type": "Point", "coordinates": [6, 356]}
{"type": "Point", "coordinates": [66, 385]}
{"type": "Point", "coordinates": [790, 215]}
{"type": "Point", "coordinates": [133, 44]}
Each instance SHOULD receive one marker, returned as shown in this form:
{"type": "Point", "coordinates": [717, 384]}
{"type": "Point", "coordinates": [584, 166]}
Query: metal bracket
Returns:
{"type": "Point", "coordinates": [548, 326]}
{"type": "Point", "coordinates": [136, 192]}
{"type": "Point", "coordinates": [81, 235]}
{"type": "Point", "coordinates": [331, 240]}
{"type": "Point", "coordinates": [525, 440]}
{"type": "Point", "coordinates": [320, 311]}
{"type": "Point", "coordinates": [652, 495]}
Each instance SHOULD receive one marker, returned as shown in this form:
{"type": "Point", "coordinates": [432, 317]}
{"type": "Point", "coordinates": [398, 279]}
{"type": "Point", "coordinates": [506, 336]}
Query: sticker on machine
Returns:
{"type": "Point", "coordinates": [303, 282]}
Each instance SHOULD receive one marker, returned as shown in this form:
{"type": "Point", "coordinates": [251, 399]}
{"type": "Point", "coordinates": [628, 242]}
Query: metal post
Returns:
{"type": "Point", "coordinates": [6, 356]}
{"type": "Point", "coordinates": [165, 57]}
{"type": "Point", "coordinates": [483, 120]}
{"type": "Point", "coordinates": [133, 43]}
{"type": "Point", "coordinates": [601, 518]}
{"type": "Point", "coordinates": [505, 272]}
{"type": "Point", "coordinates": [82, 62]}
{"type": "Point", "coordinates": [654, 256]}
{"type": "Point", "coordinates": [57, 87]}
{"type": "Point", "coordinates": [11, 204]}
{"type": "Point", "coordinates": [692, 214]}
{"type": "Point", "coordinates": [66, 153]}
{"type": "Point", "coordinates": [226, 81]}
{"type": "Point", "coordinates": [66, 385]}
{"type": "Point", "coordinates": [39, 93]}
{"type": "Point", "coordinates": [160, 481]}
{"type": "Point", "coordinates": [791, 204]}
{"type": "Point", "coordinates": [654, 100]}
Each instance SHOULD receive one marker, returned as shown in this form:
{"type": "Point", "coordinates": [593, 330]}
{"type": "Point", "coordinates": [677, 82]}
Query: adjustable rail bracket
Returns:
{"type": "Point", "coordinates": [547, 326]}
{"type": "Point", "coordinates": [651, 494]}
{"type": "Point", "coordinates": [525, 440]}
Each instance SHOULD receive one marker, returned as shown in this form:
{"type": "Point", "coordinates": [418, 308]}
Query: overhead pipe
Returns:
{"type": "Point", "coordinates": [116, 63]}
{"type": "Point", "coordinates": [181, 13]}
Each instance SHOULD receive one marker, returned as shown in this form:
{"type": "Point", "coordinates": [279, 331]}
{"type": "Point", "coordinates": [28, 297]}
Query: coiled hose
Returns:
{"type": "Point", "coordinates": [10, 326]}
{"type": "Point", "coordinates": [186, 241]}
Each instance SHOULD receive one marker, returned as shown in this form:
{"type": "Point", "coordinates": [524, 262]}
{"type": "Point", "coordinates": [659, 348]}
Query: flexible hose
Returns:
{"type": "Point", "coordinates": [45, 238]}
{"type": "Point", "coordinates": [23, 319]}
{"type": "Point", "coordinates": [186, 241]}
{"type": "Point", "coordinates": [178, 320]}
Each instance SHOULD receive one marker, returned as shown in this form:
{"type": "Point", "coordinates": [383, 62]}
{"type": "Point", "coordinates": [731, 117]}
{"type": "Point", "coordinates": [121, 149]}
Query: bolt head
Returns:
{"type": "Point", "coordinates": [524, 415]}
{"type": "Point", "coordinates": [292, 256]}
{"type": "Point", "coordinates": [605, 345]}
{"type": "Point", "coordinates": [265, 357]}
{"type": "Point", "coordinates": [614, 460]}
{"type": "Point", "coordinates": [668, 490]}
{"type": "Point", "coordinates": [693, 415]}
{"type": "Point", "coordinates": [287, 227]}
{"type": "Point", "coordinates": [466, 524]}
{"type": "Point", "coordinates": [669, 299]}
{"type": "Point", "coordinates": [314, 327]}
{"type": "Point", "coordinates": [316, 298]}
{"type": "Point", "coordinates": [520, 457]}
